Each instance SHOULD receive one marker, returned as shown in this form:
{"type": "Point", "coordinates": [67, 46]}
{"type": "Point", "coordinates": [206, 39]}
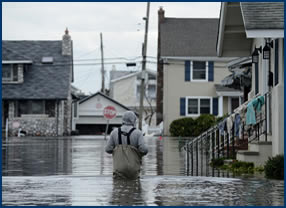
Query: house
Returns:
{"type": "Point", "coordinates": [90, 118]}
{"type": "Point", "coordinates": [36, 86]}
{"type": "Point", "coordinates": [256, 29]}
{"type": "Point", "coordinates": [189, 71]}
{"type": "Point", "coordinates": [125, 87]}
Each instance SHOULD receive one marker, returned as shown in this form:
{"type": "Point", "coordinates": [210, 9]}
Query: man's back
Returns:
{"type": "Point", "coordinates": [127, 146]}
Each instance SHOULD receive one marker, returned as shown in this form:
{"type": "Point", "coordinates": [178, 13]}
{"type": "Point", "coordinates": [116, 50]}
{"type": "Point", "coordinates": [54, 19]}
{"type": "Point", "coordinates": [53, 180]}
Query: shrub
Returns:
{"type": "Point", "coordinates": [189, 127]}
{"type": "Point", "coordinates": [203, 123]}
{"type": "Point", "coordinates": [217, 162]}
{"type": "Point", "coordinates": [182, 127]}
{"type": "Point", "coordinates": [274, 167]}
{"type": "Point", "coordinates": [242, 167]}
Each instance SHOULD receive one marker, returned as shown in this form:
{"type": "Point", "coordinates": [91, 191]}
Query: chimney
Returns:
{"type": "Point", "coordinates": [161, 15]}
{"type": "Point", "coordinates": [66, 44]}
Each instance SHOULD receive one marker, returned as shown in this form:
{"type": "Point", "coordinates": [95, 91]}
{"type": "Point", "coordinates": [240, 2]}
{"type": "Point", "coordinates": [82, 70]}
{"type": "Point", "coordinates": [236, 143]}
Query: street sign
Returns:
{"type": "Point", "coordinates": [109, 112]}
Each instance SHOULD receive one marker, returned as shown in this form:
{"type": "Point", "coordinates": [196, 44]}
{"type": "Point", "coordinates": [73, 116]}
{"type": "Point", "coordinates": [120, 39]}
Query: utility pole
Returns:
{"type": "Point", "coordinates": [102, 66]}
{"type": "Point", "coordinates": [144, 51]}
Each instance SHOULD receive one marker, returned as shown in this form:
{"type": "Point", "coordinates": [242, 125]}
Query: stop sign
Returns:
{"type": "Point", "coordinates": [109, 112]}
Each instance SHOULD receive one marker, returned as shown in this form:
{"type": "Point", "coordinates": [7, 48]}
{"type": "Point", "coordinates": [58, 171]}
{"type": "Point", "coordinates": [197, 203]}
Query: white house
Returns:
{"type": "Point", "coordinates": [125, 88]}
{"type": "Point", "coordinates": [257, 29]}
{"type": "Point", "coordinates": [90, 119]}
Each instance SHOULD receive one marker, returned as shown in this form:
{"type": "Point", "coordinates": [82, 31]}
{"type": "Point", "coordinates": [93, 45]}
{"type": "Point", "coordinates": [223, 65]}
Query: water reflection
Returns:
{"type": "Point", "coordinates": [68, 171]}
{"type": "Point", "coordinates": [126, 192]}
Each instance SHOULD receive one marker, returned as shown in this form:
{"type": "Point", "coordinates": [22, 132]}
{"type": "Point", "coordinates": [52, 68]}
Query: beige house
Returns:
{"type": "Point", "coordinates": [256, 29]}
{"type": "Point", "coordinates": [189, 71]}
{"type": "Point", "coordinates": [125, 88]}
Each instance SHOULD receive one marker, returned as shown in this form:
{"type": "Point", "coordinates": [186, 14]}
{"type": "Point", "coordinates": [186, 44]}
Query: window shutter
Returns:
{"type": "Point", "coordinates": [211, 71]}
{"type": "Point", "coordinates": [276, 62]}
{"type": "Point", "coordinates": [215, 106]}
{"type": "Point", "coordinates": [256, 79]}
{"type": "Point", "coordinates": [182, 106]}
{"type": "Point", "coordinates": [187, 71]}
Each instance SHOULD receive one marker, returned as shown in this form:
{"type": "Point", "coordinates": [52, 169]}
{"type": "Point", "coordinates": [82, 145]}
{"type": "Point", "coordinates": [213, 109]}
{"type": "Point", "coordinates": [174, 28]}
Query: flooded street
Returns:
{"type": "Point", "coordinates": [73, 171]}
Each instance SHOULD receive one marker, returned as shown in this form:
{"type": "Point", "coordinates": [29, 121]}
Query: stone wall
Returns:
{"type": "Point", "coordinates": [42, 125]}
{"type": "Point", "coordinates": [35, 125]}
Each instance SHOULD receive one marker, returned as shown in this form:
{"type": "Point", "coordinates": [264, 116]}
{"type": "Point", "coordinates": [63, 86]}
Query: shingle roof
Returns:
{"type": "Point", "coordinates": [40, 81]}
{"type": "Point", "coordinates": [189, 37]}
{"type": "Point", "coordinates": [9, 55]}
{"type": "Point", "coordinates": [263, 15]}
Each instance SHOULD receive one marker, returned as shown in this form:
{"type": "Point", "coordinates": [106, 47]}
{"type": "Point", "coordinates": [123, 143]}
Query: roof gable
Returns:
{"type": "Point", "coordinates": [99, 94]}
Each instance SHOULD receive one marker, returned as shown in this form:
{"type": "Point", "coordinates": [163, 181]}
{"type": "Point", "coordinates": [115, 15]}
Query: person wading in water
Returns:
{"type": "Point", "coordinates": [126, 144]}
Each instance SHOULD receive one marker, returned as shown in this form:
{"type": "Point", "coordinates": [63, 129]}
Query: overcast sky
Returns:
{"type": "Point", "coordinates": [121, 24]}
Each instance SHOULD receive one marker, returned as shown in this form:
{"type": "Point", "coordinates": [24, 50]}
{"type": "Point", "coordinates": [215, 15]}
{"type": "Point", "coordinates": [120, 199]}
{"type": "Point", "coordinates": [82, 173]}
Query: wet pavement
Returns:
{"type": "Point", "coordinates": [74, 171]}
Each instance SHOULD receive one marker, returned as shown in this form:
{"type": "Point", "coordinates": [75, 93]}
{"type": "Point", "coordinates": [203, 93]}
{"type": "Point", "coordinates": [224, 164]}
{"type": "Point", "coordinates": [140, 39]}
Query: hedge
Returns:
{"type": "Point", "coordinates": [189, 127]}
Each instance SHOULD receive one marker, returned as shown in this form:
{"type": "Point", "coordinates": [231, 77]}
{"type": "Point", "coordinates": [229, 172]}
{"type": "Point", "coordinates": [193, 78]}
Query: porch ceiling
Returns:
{"type": "Point", "coordinates": [232, 41]}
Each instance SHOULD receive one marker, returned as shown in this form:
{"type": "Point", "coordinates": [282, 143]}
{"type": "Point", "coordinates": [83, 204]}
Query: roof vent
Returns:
{"type": "Point", "coordinates": [47, 60]}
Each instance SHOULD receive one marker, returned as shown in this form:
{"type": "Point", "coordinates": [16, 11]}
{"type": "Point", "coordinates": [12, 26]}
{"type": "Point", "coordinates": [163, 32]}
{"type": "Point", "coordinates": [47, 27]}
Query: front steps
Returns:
{"type": "Point", "coordinates": [258, 153]}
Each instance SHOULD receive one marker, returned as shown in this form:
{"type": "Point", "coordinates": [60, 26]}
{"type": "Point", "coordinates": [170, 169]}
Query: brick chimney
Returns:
{"type": "Point", "coordinates": [161, 14]}
{"type": "Point", "coordinates": [66, 44]}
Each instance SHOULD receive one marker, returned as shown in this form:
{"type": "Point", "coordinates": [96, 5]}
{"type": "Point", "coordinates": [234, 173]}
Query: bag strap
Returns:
{"type": "Point", "coordinates": [125, 134]}
{"type": "Point", "coordinates": [128, 135]}
{"type": "Point", "coordinates": [119, 136]}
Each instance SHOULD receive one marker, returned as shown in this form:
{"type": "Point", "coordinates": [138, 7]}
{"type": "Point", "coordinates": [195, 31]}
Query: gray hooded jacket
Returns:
{"type": "Point", "coordinates": [136, 138]}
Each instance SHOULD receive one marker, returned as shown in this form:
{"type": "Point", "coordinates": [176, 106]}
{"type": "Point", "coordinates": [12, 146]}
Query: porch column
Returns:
{"type": "Point", "coordinates": [11, 111]}
{"type": "Point", "coordinates": [220, 106]}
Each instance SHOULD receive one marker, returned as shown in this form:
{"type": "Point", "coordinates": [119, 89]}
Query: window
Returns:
{"type": "Point", "coordinates": [36, 107]}
{"type": "Point", "coordinates": [151, 77]}
{"type": "Point", "coordinates": [50, 107]}
{"type": "Point", "coordinates": [205, 106]}
{"type": "Point", "coordinates": [193, 106]}
{"type": "Point", "coordinates": [6, 72]}
{"type": "Point", "coordinates": [152, 91]}
{"type": "Point", "coordinates": [199, 70]}
{"type": "Point", "coordinates": [10, 72]}
{"type": "Point", "coordinates": [197, 106]}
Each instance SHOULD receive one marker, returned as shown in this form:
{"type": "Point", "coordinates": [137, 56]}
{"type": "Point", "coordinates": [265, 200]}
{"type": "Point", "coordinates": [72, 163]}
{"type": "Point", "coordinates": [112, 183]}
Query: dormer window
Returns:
{"type": "Point", "coordinates": [9, 72]}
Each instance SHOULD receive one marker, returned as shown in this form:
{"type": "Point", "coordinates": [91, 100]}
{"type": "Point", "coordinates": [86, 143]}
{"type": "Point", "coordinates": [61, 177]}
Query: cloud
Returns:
{"type": "Point", "coordinates": [120, 22]}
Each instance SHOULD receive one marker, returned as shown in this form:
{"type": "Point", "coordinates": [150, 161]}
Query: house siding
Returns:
{"type": "Point", "coordinates": [174, 75]}
{"type": "Point", "coordinates": [276, 117]}
{"type": "Point", "coordinates": [125, 92]}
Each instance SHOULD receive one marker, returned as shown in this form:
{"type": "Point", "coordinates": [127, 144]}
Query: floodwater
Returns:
{"type": "Point", "coordinates": [77, 172]}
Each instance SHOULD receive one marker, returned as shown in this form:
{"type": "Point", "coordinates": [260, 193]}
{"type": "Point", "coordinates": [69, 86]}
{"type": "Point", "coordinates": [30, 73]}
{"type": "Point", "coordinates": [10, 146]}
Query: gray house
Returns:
{"type": "Point", "coordinates": [36, 86]}
{"type": "Point", "coordinates": [190, 72]}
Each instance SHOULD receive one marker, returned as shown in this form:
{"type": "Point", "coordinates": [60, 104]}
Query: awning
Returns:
{"type": "Point", "coordinates": [227, 91]}
{"type": "Point", "coordinates": [241, 73]}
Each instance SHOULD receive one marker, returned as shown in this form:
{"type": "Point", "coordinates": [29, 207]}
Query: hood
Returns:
{"type": "Point", "coordinates": [129, 118]}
